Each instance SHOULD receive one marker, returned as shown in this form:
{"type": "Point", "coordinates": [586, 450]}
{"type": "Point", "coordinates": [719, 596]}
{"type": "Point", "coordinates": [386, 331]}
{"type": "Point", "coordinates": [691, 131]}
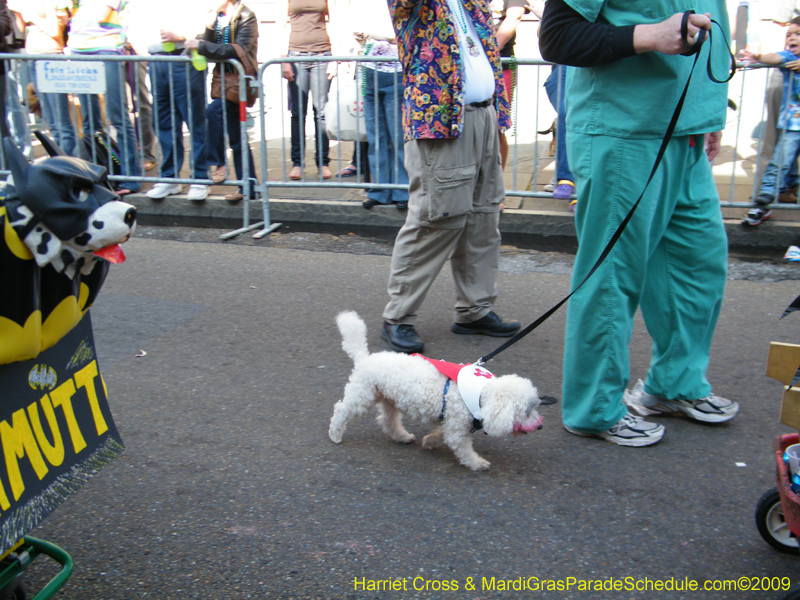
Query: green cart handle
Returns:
{"type": "Point", "coordinates": [26, 553]}
{"type": "Point", "coordinates": [36, 547]}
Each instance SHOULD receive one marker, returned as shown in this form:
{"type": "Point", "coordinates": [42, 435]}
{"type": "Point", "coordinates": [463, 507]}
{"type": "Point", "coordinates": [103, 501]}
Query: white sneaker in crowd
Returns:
{"type": "Point", "coordinates": [197, 192]}
{"type": "Point", "coordinates": [162, 190]}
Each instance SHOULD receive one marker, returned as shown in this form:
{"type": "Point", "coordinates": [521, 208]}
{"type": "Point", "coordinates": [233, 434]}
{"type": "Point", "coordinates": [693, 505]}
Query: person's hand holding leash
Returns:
{"type": "Point", "coordinates": [665, 37]}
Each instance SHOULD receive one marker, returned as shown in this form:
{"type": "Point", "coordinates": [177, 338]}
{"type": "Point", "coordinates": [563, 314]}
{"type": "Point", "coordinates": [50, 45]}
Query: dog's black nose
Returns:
{"type": "Point", "coordinates": [540, 426]}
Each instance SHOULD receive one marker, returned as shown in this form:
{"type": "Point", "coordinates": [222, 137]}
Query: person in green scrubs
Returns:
{"type": "Point", "coordinates": [671, 260]}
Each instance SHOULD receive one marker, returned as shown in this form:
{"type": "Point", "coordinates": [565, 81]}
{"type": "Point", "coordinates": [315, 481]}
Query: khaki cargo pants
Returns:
{"type": "Point", "coordinates": [455, 187]}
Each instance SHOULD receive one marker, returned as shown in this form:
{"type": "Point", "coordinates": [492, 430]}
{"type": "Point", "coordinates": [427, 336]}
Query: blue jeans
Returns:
{"type": "Point", "coordinates": [16, 113]}
{"type": "Point", "coordinates": [174, 103]}
{"type": "Point", "coordinates": [785, 157]}
{"type": "Point", "coordinates": [384, 124]}
{"type": "Point", "coordinates": [551, 86]}
{"type": "Point", "coordinates": [117, 115]}
{"type": "Point", "coordinates": [310, 78]}
{"type": "Point", "coordinates": [56, 112]}
{"type": "Point", "coordinates": [216, 138]}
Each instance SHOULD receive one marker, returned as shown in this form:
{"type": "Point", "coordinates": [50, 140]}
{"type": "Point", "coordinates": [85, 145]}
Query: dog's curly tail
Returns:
{"type": "Point", "coordinates": [354, 335]}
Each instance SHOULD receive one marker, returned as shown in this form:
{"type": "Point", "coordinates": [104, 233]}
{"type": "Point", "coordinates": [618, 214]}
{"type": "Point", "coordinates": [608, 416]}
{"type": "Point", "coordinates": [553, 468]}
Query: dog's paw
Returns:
{"type": "Point", "coordinates": [432, 440]}
{"type": "Point", "coordinates": [478, 464]}
{"type": "Point", "coordinates": [336, 436]}
{"type": "Point", "coordinates": [408, 438]}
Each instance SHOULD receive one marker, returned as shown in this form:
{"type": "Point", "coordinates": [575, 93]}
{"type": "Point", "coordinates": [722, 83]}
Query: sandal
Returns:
{"type": "Point", "coordinates": [234, 196]}
{"type": "Point", "coordinates": [348, 171]}
{"type": "Point", "coordinates": [564, 189]}
{"type": "Point", "coordinates": [296, 173]}
{"type": "Point", "coordinates": [218, 174]}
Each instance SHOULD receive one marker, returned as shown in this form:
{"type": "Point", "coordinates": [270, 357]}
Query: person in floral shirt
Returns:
{"type": "Point", "coordinates": [454, 102]}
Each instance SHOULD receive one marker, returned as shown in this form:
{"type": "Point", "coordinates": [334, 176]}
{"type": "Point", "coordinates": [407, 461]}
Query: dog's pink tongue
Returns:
{"type": "Point", "coordinates": [520, 428]}
{"type": "Point", "coordinates": [112, 254]}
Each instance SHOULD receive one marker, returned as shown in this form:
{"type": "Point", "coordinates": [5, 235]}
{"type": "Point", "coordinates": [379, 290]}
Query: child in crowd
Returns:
{"type": "Point", "coordinates": [787, 151]}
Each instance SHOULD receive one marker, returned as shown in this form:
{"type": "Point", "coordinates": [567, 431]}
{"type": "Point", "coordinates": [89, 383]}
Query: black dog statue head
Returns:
{"type": "Point", "coordinates": [60, 227]}
{"type": "Point", "coordinates": [62, 191]}
{"type": "Point", "coordinates": [66, 211]}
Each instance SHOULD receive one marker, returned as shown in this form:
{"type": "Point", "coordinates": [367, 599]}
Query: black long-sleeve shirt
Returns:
{"type": "Point", "coordinates": [566, 38]}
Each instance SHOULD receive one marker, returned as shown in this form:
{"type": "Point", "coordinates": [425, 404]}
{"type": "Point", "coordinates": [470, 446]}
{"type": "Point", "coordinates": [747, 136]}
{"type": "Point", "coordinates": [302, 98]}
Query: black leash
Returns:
{"type": "Point", "coordinates": [693, 49]}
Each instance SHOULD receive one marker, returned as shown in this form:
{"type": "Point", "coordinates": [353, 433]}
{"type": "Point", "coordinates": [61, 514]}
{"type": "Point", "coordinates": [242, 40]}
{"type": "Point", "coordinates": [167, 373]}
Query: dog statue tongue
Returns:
{"type": "Point", "coordinates": [112, 254]}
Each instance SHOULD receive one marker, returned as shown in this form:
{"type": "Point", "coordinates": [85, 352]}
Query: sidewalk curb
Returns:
{"type": "Point", "coordinates": [216, 212]}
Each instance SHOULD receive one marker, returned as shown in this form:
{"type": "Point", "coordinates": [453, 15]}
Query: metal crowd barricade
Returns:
{"type": "Point", "coordinates": [750, 71]}
{"type": "Point", "coordinates": [530, 104]}
{"type": "Point", "coordinates": [333, 96]}
{"type": "Point", "coordinates": [122, 136]}
{"type": "Point", "coordinates": [528, 149]}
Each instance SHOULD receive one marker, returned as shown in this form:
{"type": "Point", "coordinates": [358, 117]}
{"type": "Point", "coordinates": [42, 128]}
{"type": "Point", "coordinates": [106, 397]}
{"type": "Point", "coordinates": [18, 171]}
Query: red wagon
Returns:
{"type": "Point", "coordinates": [778, 510]}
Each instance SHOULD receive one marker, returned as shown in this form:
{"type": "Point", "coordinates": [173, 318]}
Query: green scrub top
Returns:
{"type": "Point", "coordinates": [635, 97]}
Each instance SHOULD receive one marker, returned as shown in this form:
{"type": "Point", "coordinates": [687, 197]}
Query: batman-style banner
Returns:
{"type": "Point", "coordinates": [56, 430]}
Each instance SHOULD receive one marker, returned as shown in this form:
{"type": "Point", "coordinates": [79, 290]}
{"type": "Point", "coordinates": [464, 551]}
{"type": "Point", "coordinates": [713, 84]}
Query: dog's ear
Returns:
{"type": "Point", "coordinates": [497, 408]}
{"type": "Point", "coordinates": [49, 145]}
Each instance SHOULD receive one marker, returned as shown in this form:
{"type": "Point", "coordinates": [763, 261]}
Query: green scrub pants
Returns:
{"type": "Point", "coordinates": [671, 260]}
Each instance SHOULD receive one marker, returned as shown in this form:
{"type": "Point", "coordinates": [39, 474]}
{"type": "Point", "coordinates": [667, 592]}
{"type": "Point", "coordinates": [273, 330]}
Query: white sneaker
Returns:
{"type": "Point", "coordinates": [162, 190]}
{"type": "Point", "coordinates": [711, 409]}
{"type": "Point", "coordinates": [550, 187]}
{"type": "Point", "coordinates": [197, 192]}
{"type": "Point", "coordinates": [630, 430]}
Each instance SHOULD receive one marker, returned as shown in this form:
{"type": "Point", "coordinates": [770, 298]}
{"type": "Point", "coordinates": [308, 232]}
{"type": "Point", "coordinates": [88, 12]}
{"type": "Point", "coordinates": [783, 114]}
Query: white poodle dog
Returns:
{"type": "Point", "coordinates": [411, 385]}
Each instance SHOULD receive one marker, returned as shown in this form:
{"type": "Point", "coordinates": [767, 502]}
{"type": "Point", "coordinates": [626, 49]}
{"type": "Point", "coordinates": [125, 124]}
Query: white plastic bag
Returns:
{"type": "Point", "coordinates": [344, 112]}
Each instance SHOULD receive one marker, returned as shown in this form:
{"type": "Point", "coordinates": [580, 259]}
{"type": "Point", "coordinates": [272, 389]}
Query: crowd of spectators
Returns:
{"type": "Point", "coordinates": [146, 104]}
{"type": "Point", "coordinates": [150, 106]}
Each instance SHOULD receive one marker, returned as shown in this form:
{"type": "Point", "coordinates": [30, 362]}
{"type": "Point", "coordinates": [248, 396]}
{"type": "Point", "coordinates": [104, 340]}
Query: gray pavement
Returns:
{"type": "Point", "coordinates": [229, 487]}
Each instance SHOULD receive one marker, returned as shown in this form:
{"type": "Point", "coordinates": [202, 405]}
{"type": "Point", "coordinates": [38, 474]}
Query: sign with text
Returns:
{"type": "Point", "coordinates": [56, 431]}
{"type": "Point", "coordinates": [71, 77]}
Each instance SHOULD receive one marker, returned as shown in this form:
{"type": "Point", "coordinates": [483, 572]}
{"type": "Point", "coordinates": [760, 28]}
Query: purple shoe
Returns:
{"type": "Point", "coordinates": [564, 189]}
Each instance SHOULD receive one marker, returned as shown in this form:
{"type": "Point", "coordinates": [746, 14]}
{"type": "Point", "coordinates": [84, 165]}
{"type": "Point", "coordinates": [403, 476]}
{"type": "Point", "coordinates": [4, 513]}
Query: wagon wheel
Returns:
{"type": "Point", "coordinates": [772, 524]}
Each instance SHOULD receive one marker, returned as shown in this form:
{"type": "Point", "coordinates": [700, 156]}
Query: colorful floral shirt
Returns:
{"type": "Point", "coordinates": [433, 102]}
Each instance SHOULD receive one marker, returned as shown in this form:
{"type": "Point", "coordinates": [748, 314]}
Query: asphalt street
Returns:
{"type": "Point", "coordinates": [223, 363]}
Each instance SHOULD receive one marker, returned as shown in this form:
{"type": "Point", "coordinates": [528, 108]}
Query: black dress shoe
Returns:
{"type": "Point", "coordinates": [491, 324]}
{"type": "Point", "coordinates": [369, 203]}
{"type": "Point", "coordinates": [401, 338]}
{"type": "Point", "coordinates": [402, 205]}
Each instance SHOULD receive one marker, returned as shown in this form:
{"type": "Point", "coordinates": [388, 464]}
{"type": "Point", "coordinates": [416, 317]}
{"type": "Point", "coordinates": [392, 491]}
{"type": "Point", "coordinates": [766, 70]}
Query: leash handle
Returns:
{"type": "Point", "coordinates": [698, 42]}
{"type": "Point", "coordinates": [698, 45]}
